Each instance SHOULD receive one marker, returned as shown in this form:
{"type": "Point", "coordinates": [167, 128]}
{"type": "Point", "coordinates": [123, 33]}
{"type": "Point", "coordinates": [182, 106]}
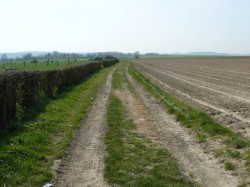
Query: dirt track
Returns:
{"type": "Point", "coordinates": [221, 87]}
{"type": "Point", "coordinates": [84, 164]}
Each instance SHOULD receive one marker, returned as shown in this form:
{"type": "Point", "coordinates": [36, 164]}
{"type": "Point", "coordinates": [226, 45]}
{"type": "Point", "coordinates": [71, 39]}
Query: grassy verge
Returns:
{"type": "Point", "coordinates": [133, 160]}
{"type": "Point", "coordinates": [201, 123]}
{"type": "Point", "coordinates": [118, 81]}
{"type": "Point", "coordinates": [43, 132]}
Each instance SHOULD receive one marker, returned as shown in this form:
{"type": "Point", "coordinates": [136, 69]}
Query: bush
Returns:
{"type": "Point", "coordinates": [34, 61]}
{"type": "Point", "coordinates": [107, 63]}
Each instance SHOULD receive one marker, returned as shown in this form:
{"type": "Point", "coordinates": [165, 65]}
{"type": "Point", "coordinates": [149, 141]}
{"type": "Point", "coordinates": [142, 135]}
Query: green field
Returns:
{"type": "Point", "coordinates": [42, 64]}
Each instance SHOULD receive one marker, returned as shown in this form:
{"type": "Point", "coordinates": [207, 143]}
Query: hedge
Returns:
{"type": "Point", "coordinates": [110, 62]}
{"type": "Point", "coordinates": [21, 89]}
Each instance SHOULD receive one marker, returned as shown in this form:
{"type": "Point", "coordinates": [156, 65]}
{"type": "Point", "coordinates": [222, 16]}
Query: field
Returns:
{"type": "Point", "coordinates": [218, 86]}
{"type": "Point", "coordinates": [147, 122]}
{"type": "Point", "coordinates": [42, 64]}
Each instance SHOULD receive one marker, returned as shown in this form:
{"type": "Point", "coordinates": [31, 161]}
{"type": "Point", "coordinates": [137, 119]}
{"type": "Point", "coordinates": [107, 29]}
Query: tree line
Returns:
{"type": "Point", "coordinates": [57, 55]}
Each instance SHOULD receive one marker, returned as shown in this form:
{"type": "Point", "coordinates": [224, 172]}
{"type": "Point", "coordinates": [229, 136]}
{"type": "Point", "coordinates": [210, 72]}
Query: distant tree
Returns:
{"type": "Point", "coordinates": [48, 55]}
{"type": "Point", "coordinates": [56, 54]}
{"type": "Point", "coordinates": [108, 57]}
{"type": "Point", "coordinates": [18, 58]}
{"type": "Point", "coordinates": [4, 58]}
{"type": "Point", "coordinates": [98, 59]}
{"type": "Point", "coordinates": [137, 54]}
{"type": "Point", "coordinates": [152, 54]}
{"type": "Point", "coordinates": [89, 55]}
{"type": "Point", "coordinates": [27, 56]}
{"type": "Point", "coordinates": [34, 61]}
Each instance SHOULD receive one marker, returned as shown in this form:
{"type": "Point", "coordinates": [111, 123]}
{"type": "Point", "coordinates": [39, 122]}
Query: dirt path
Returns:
{"type": "Point", "coordinates": [84, 164]}
{"type": "Point", "coordinates": [153, 121]}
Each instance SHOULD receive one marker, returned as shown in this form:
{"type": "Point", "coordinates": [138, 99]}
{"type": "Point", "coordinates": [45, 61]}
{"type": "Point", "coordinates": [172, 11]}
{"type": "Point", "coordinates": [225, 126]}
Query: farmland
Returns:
{"type": "Point", "coordinates": [147, 122]}
{"type": "Point", "coordinates": [42, 64]}
{"type": "Point", "coordinates": [218, 86]}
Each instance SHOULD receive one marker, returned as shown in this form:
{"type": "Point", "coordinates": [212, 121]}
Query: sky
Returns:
{"type": "Point", "coordinates": [163, 26]}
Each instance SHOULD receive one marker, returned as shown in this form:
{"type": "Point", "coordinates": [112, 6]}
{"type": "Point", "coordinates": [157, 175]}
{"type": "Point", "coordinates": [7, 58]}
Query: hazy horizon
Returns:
{"type": "Point", "coordinates": [161, 26]}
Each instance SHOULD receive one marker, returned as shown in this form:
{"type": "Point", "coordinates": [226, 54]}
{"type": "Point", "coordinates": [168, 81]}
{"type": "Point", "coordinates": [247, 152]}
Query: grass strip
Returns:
{"type": "Point", "coordinates": [118, 80]}
{"type": "Point", "coordinates": [132, 159]}
{"type": "Point", "coordinates": [43, 133]}
{"type": "Point", "coordinates": [201, 123]}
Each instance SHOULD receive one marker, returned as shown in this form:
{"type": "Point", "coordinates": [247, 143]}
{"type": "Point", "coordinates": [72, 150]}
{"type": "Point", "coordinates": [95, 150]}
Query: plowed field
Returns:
{"type": "Point", "coordinates": [218, 86]}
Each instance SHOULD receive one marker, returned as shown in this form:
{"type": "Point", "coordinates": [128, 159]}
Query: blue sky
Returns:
{"type": "Point", "coordinates": [164, 26]}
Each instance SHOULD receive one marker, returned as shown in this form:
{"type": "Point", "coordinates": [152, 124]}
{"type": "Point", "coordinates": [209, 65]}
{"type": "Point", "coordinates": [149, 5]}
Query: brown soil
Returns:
{"type": "Point", "coordinates": [84, 163]}
{"type": "Point", "coordinates": [154, 122]}
{"type": "Point", "coordinates": [220, 87]}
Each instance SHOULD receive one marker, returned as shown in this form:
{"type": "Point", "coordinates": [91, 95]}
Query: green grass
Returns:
{"type": "Point", "coordinates": [133, 160]}
{"type": "Point", "coordinates": [42, 64]}
{"type": "Point", "coordinates": [233, 154]}
{"type": "Point", "coordinates": [28, 149]}
{"type": "Point", "coordinates": [228, 153]}
{"type": "Point", "coordinates": [119, 77]}
{"type": "Point", "coordinates": [247, 158]}
{"type": "Point", "coordinates": [229, 166]}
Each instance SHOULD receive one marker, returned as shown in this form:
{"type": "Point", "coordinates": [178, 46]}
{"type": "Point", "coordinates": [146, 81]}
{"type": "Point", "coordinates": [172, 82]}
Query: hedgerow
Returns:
{"type": "Point", "coordinates": [21, 89]}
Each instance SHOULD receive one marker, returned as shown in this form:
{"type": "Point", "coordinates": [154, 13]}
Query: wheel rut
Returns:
{"type": "Point", "coordinates": [83, 164]}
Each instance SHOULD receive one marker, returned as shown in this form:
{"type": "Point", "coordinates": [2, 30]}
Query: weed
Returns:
{"type": "Point", "coordinates": [229, 166]}
{"type": "Point", "coordinates": [247, 157]}
{"type": "Point", "coordinates": [237, 141]}
{"type": "Point", "coordinates": [219, 152]}
{"type": "Point", "coordinates": [233, 154]}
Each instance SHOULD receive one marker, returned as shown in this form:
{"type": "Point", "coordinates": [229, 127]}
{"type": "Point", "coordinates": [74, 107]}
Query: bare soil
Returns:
{"type": "Point", "coordinates": [154, 122]}
{"type": "Point", "coordinates": [220, 87]}
{"type": "Point", "coordinates": [84, 163]}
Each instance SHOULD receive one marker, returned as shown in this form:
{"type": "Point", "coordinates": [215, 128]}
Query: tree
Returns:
{"type": "Point", "coordinates": [137, 54]}
{"type": "Point", "coordinates": [56, 54]}
{"type": "Point", "coordinates": [34, 61]}
{"type": "Point", "coordinates": [4, 58]}
{"type": "Point", "coordinates": [27, 56]}
{"type": "Point", "coordinates": [98, 58]}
